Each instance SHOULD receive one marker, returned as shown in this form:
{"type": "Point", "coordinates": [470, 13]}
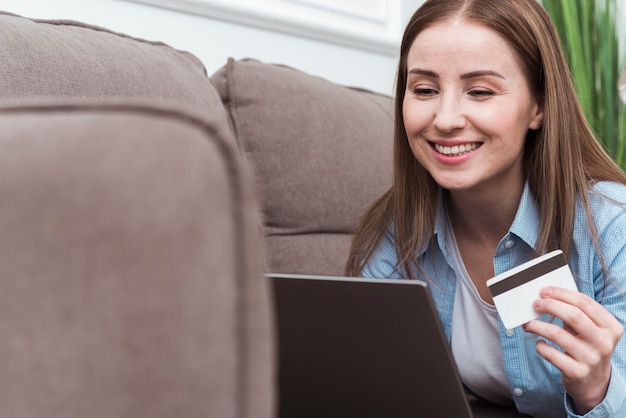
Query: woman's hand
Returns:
{"type": "Point", "coordinates": [589, 336]}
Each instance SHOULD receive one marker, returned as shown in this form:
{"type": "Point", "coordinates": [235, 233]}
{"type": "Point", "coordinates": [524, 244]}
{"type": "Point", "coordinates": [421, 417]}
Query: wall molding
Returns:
{"type": "Point", "coordinates": [370, 25]}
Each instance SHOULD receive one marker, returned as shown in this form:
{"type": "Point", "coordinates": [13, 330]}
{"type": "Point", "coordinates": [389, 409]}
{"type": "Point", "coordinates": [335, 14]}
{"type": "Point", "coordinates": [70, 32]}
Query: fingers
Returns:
{"type": "Point", "coordinates": [575, 348]}
{"type": "Point", "coordinates": [589, 307]}
{"type": "Point", "coordinates": [577, 370]}
{"type": "Point", "coordinates": [581, 315]}
{"type": "Point", "coordinates": [586, 383]}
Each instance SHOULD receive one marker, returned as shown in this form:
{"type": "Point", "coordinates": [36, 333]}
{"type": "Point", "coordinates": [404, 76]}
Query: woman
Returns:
{"type": "Point", "coordinates": [494, 164]}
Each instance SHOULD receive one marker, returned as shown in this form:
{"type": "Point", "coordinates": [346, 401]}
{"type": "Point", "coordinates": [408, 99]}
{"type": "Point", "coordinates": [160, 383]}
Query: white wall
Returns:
{"type": "Point", "coordinates": [214, 40]}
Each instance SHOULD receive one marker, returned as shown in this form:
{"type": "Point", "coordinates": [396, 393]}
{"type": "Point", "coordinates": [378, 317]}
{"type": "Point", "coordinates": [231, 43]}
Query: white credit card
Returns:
{"type": "Point", "coordinates": [515, 290]}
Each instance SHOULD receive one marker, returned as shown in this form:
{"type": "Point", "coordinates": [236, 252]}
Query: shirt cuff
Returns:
{"type": "Point", "coordinates": [613, 405]}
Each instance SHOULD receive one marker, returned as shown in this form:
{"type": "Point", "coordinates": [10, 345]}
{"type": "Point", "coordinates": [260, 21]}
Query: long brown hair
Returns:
{"type": "Point", "coordinates": [561, 158]}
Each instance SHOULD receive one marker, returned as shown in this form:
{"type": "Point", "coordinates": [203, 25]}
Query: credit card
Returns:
{"type": "Point", "coordinates": [515, 290]}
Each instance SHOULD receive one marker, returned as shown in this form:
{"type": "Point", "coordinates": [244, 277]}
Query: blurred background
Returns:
{"type": "Point", "coordinates": [352, 42]}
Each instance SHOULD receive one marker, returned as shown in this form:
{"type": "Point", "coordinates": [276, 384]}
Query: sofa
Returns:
{"type": "Point", "coordinates": [143, 199]}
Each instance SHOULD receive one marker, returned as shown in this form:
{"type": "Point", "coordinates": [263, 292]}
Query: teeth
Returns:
{"type": "Point", "coordinates": [456, 149]}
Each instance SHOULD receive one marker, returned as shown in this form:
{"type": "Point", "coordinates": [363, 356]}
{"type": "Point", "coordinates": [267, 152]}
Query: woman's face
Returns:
{"type": "Point", "coordinates": [467, 107]}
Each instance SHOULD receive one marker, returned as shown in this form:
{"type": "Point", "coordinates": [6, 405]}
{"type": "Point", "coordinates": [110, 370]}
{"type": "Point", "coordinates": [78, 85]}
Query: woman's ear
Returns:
{"type": "Point", "coordinates": [536, 124]}
{"type": "Point", "coordinates": [537, 119]}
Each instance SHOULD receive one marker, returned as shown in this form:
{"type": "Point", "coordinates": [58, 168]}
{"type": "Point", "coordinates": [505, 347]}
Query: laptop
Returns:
{"type": "Point", "coordinates": [361, 348]}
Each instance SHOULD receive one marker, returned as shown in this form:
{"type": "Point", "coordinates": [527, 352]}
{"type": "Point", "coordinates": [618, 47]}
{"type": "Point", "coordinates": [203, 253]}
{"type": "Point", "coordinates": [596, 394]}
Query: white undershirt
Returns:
{"type": "Point", "coordinates": [475, 336]}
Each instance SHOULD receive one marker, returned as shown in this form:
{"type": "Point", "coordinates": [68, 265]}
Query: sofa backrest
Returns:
{"type": "Point", "coordinates": [320, 152]}
{"type": "Point", "coordinates": [54, 60]}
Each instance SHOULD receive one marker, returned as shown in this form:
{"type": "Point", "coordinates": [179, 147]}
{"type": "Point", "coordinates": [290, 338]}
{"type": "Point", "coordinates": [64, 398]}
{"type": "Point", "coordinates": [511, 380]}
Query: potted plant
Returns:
{"type": "Point", "coordinates": [589, 31]}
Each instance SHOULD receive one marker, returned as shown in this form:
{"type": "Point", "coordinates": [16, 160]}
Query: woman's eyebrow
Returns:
{"type": "Point", "coordinates": [426, 73]}
{"type": "Point", "coordinates": [471, 74]}
{"type": "Point", "coordinates": [481, 73]}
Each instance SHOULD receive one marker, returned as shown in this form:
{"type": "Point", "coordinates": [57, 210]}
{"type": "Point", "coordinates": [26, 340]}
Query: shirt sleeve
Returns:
{"type": "Point", "coordinates": [613, 405]}
{"type": "Point", "coordinates": [611, 293]}
{"type": "Point", "coordinates": [382, 262]}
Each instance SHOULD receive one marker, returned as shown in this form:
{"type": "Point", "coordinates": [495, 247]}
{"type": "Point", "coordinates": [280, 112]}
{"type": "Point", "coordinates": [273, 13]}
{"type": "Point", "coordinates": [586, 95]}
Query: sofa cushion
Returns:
{"type": "Point", "coordinates": [131, 267]}
{"type": "Point", "coordinates": [321, 153]}
{"type": "Point", "coordinates": [43, 60]}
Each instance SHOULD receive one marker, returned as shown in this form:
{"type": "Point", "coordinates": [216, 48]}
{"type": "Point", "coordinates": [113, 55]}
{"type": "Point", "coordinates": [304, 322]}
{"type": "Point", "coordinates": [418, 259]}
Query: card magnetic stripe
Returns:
{"type": "Point", "coordinates": [527, 275]}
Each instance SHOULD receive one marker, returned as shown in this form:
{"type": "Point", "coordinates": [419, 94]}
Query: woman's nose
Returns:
{"type": "Point", "coordinates": [449, 115]}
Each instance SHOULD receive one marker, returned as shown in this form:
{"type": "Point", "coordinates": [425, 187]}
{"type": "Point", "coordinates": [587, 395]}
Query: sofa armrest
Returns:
{"type": "Point", "coordinates": [131, 267]}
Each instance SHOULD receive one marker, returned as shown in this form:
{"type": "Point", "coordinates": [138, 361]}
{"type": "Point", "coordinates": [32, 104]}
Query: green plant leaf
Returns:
{"type": "Point", "coordinates": [588, 30]}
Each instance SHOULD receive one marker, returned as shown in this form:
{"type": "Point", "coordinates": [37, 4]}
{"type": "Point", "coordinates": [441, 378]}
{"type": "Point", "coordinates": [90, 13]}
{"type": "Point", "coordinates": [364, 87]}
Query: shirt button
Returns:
{"type": "Point", "coordinates": [509, 244]}
{"type": "Point", "coordinates": [518, 392]}
{"type": "Point", "coordinates": [509, 332]}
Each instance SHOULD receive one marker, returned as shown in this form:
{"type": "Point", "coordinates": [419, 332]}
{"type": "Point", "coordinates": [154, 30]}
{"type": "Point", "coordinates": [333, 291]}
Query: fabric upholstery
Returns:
{"type": "Point", "coordinates": [44, 60]}
{"type": "Point", "coordinates": [131, 267]}
{"type": "Point", "coordinates": [321, 153]}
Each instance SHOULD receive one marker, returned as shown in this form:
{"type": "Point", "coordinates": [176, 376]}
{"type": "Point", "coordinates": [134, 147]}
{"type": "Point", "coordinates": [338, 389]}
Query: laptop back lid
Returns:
{"type": "Point", "coordinates": [362, 348]}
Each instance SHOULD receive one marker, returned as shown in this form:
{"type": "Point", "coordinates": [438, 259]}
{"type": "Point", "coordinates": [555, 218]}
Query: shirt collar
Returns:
{"type": "Point", "coordinates": [527, 219]}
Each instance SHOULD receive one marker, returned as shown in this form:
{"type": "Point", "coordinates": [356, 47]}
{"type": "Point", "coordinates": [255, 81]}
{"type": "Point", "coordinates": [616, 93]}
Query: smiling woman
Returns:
{"type": "Point", "coordinates": [466, 89]}
{"type": "Point", "coordinates": [495, 164]}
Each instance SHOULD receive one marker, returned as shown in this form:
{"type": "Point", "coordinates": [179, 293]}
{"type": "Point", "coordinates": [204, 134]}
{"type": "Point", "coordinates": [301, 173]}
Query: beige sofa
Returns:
{"type": "Point", "coordinates": [142, 201]}
{"type": "Point", "coordinates": [130, 250]}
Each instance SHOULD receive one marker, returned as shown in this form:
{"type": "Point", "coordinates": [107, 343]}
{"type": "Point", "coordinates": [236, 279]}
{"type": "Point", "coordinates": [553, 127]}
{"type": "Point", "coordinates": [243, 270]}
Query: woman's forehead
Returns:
{"type": "Point", "coordinates": [462, 46]}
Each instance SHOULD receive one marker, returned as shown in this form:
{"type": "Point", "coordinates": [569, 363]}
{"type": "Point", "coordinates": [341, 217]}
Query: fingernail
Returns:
{"type": "Point", "coordinates": [547, 291]}
{"type": "Point", "coordinates": [537, 304]}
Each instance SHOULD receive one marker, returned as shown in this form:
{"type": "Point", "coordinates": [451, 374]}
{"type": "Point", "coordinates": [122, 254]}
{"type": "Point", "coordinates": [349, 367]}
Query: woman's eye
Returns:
{"type": "Point", "coordinates": [480, 93]}
{"type": "Point", "coordinates": [424, 91]}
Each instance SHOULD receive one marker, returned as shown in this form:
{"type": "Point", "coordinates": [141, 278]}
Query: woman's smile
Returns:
{"type": "Point", "coordinates": [455, 150]}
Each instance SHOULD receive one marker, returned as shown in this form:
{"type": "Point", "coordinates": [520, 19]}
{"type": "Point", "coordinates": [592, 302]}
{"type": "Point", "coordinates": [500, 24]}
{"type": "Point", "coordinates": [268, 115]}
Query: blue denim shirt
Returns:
{"type": "Point", "coordinates": [536, 384]}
